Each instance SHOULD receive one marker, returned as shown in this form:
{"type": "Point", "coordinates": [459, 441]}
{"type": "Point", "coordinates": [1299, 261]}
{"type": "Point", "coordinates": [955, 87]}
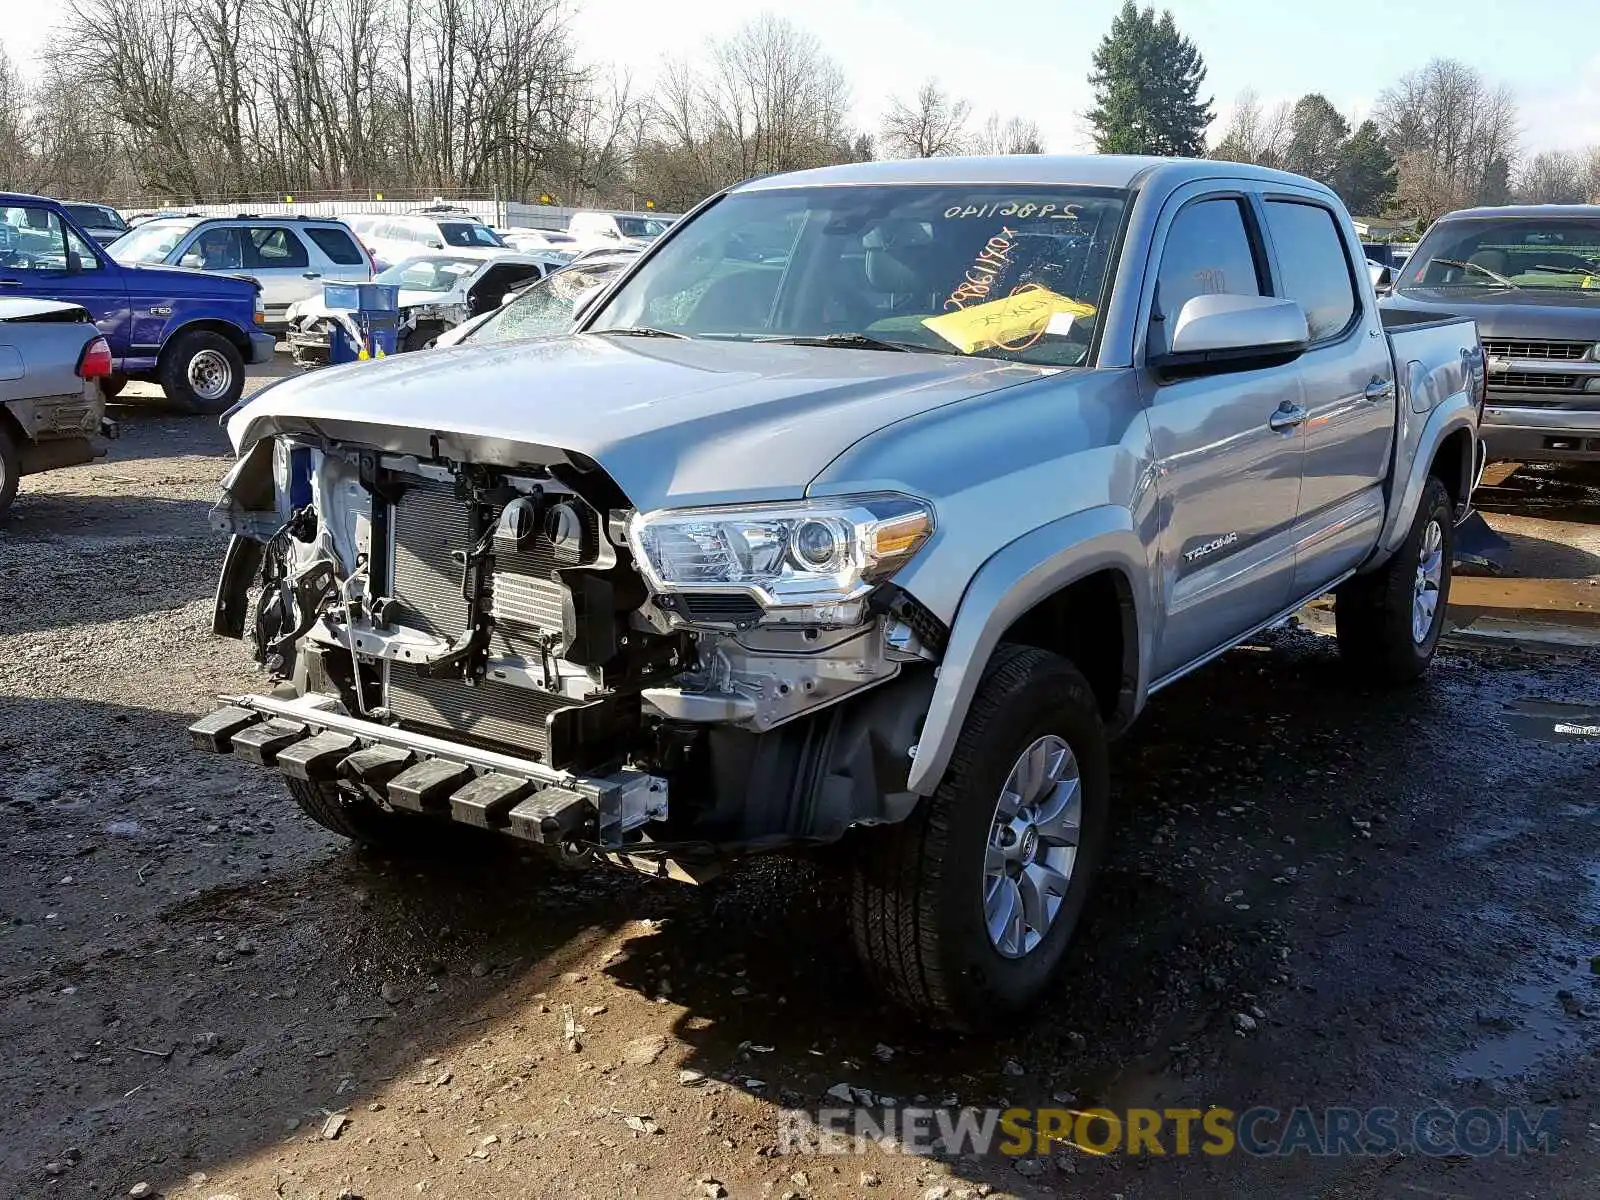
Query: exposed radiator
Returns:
{"type": "Point", "coordinates": [429, 525]}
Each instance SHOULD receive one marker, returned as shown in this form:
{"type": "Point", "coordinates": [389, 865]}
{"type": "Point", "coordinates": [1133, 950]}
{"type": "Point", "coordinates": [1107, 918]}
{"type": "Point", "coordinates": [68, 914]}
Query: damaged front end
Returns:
{"type": "Point", "coordinates": [516, 648]}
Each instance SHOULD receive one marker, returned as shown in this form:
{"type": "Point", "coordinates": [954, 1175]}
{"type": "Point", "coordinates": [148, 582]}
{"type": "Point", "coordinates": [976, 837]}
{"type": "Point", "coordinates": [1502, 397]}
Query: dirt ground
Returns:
{"type": "Point", "coordinates": [1319, 895]}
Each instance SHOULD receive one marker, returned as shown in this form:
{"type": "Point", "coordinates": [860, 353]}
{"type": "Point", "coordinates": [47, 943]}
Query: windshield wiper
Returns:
{"type": "Point", "coordinates": [851, 341]}
{"type": "Point", "coordinates": [641, 331]}
{"type": "Point", "coordinates": [1481, 269]}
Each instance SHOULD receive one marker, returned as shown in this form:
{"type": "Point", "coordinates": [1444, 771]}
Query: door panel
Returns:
{"type": "Point", "coordinates": [1347, 388]}
{"type": "Point", "coordinates": [274, 255]}
{"type": "Point", "coordinates": [1229, 488]}
{"type": "Point", "coordinates": [1228, 483]}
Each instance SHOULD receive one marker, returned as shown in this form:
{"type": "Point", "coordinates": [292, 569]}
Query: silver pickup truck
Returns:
{"type": "Point", "coordinates": [52, 409]}
{"type": "Point", "coordinates": [860, 516]}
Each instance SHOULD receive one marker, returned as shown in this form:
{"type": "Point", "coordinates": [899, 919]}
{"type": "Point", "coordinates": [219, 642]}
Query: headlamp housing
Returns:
{"type": "Point", "coordinates": [807, 562]}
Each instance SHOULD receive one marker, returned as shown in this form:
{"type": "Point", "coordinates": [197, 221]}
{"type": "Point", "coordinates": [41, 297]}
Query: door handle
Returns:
{"type": "Point", "coordinates": [1380, 389]}
{"type": "Point", "coordinates": [1286, 417]}
{"type": "Point", "coordinates": [312, 275]}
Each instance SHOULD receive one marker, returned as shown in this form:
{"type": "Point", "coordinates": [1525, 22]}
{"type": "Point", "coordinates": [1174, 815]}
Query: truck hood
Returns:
{"type": "Point", "coordinates": [187, 281]}
{"type": "Point", "coordinates": [673, 422]}
{"type": "Point", "coordinates": [1501, 313]}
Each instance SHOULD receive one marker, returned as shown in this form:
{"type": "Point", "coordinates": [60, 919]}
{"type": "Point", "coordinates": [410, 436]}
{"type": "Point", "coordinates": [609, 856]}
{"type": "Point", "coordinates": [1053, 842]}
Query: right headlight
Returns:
{"type": "Point", "coordinates": [808, 561]}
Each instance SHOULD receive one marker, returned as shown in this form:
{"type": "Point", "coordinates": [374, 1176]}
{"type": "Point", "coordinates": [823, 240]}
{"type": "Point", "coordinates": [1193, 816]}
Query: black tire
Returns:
{"type": "Point", "coordinates": [917, 888]}
{"type": "Point", "coordinates": [10, 469]}
{"type": "Point", "coordinates": [421, 337]}
{"type": "Point", "coordinates": [359, 819]}
{"type": "Point", "coordinates": [111, 386]}
{"type": "Point", "coordinates": [209, 354]}
{"type": "Point", "coordinates": [1373, 613]}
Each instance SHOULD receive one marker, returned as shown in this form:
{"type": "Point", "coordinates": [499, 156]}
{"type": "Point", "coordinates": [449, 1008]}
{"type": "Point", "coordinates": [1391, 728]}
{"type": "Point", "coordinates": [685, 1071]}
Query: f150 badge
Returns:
{"type": "Point", "coordinates": [1214, 544]}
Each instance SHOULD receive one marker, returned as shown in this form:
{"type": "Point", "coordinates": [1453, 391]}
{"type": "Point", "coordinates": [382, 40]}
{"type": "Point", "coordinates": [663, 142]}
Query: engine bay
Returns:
{"type": "Point", "coordinates": [504, 612]}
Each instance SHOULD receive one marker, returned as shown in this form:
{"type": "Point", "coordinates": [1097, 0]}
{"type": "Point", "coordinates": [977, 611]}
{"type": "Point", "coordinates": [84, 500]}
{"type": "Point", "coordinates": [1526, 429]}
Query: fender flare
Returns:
{"type": "Point", "coordinates": [1010, 582]}
{"type": "Point", "coordinates": [1456, 413]}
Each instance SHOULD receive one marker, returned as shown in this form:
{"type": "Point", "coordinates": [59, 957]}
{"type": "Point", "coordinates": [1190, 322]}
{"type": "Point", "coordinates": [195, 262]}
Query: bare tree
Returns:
{"type": "Point", "coordinates": [1591, 175]}
{"type": "Point", "coordinates": [934, 124]}
{"type": "Point", "coordinates": [16, 150]}
{"type": "Point", "coordinates": [1554, 177]}
{"type": "Point", "coordinates": [1256, 136]}
{"type": "Point", "coordinates": [1015, 135]}
{"type": "Point", "coordinates": [1446, 125]}
{"type": "Point", "coordinates": [190, 99]}
{"type": "Point", "coordinates": [765, 99]}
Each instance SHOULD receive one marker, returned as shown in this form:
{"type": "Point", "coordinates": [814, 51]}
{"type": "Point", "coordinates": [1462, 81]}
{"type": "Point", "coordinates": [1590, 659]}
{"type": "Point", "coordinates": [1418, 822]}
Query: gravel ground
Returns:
{"type": "Point", "coordinates": [1319, 896]}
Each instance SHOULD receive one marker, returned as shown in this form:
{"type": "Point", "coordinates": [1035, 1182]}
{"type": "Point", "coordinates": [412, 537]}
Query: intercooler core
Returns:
{"type": "Point", "coordinates": [431, 528]}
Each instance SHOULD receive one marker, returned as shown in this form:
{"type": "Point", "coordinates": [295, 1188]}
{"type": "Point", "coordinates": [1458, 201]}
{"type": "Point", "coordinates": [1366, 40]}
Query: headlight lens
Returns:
{"type": "Point", "coordinates": [801, 560]}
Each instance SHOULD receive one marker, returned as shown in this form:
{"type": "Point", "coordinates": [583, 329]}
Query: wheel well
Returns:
{"type": "Point", "coordinates": [1452, 463]}
{"type": "Point", "coordinates": [1093, 624]}
{"type": "Point", "coordinates": [240, 340]}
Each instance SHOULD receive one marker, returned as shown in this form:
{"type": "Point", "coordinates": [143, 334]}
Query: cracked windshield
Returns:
{"type": "Point", "coordinates": [1005, 272]}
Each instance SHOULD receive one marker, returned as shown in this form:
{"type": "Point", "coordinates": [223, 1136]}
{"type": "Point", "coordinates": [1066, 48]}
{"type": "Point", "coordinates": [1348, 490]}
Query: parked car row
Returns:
{"type": "Point", "coordinates": [190, 331]}
{"type": "Point", "coordinates": [438, 292]}
{"type": "Point", "coordinates": [290, 257]}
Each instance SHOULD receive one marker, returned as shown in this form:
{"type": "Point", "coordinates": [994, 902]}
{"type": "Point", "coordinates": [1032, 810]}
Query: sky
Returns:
{"type": "Point", "coordinates": [1032, 58]}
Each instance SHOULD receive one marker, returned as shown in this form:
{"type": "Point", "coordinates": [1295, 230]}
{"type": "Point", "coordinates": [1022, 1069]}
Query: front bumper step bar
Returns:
{"type": "Point", "coordinates": [313, 739]}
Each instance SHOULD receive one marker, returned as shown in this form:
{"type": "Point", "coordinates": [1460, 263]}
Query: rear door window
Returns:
{"type": "Point", "coordinates": [337, 245]}
{"type": "Point", "coordinates": [272, 247]}
{"type": "Point", "coordinates": [1208, 252]}
{"type": "Point", "coordinates": [1313, 264]}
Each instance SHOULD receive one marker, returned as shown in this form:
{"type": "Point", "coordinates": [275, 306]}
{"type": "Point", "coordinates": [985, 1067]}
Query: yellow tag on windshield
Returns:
{"type": "Point", "coordinates": [1013, 322]}
{"type": "Point", "coordinates": [1590, 281]}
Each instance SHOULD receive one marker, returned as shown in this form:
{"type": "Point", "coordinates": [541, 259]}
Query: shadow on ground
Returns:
{"type": "Point", "coordinates": [1288, 843]}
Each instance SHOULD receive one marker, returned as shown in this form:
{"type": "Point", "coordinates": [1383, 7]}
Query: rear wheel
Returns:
{"type": "Point", "coordinates": [10, 468]}
{"type": "Point", "coordinates": [202, 372]}
{"type": "Point", "coordinates": [964, 911]}
{"type": "Point", "coordinates": [1389, 621]}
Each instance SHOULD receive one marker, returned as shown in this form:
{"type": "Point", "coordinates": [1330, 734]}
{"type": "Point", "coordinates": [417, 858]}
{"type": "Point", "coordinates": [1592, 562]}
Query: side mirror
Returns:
{"type": "Point", "coordinates": [1234, 333]}
{"type": "Point", "coordinates": [1382, 278]}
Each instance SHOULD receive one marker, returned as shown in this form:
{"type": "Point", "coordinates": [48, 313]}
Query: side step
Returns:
{"type": "Point", "coordinates": [311, 741]}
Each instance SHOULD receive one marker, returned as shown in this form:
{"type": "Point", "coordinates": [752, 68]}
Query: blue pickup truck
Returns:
{"type": "Point", "coordinates": [191, 332]}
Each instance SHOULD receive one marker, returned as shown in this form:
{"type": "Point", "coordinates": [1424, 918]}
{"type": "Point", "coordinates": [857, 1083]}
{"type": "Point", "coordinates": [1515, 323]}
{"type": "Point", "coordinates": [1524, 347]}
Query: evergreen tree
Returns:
{"type": "Point", "coordinates": [1146, 80]}
{"type": "Point", "coordinates": [1495, 187]}
{"type": "Point", "coordinates": [1367, 173]}
{"type": "Point", "coordinates": [1317, 141]}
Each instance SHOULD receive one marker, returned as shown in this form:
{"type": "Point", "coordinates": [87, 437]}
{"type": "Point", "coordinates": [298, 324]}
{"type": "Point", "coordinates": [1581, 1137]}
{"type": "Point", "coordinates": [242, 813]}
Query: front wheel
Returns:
{"type": "Point", "coordinates": [202, 372]}
{"type": "Point", "coordinates": [964, 911]}
{"type": "Point", "coordinates": [1389, 621]}
{"type": "Point", "coordinates": [344, 811]}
